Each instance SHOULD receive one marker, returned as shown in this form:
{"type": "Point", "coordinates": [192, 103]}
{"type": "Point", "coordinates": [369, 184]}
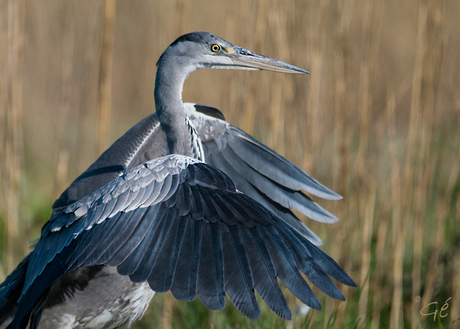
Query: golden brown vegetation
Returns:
{"type": "Point", "coordinates": [378, 121]}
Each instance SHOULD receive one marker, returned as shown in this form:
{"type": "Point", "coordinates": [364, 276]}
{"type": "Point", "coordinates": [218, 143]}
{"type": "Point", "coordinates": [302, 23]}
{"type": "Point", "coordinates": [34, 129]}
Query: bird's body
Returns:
{"type": "Point", "coordinates": [105, 299]}
{"type": "Point", "coordinates": [150, 214]}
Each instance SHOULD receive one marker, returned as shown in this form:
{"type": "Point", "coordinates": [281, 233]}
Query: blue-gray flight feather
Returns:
{"type": "Point", "coordinates": [233, 245]}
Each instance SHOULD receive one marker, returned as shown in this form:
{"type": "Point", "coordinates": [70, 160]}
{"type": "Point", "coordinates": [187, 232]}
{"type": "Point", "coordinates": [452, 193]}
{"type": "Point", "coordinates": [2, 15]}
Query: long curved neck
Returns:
{"type": "Point", "coordinates": [171, 74]}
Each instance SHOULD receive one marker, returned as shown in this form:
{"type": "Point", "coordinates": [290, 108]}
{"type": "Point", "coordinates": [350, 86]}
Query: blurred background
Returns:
{"type": "Point", "coordinates": [377, 121]}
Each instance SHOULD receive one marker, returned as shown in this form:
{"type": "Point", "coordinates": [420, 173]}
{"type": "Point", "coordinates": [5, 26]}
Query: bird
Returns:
{"type": "Point", "coordinates": [183, 202]}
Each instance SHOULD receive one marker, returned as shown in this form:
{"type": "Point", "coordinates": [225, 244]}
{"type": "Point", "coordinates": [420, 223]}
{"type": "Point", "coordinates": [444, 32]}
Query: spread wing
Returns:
{"type": "Point", "coordinates": [257, 171]}
{"type": "Point", "coordinates": [182, 225]}
{"type": "Point", "coordinates": [260, 172]}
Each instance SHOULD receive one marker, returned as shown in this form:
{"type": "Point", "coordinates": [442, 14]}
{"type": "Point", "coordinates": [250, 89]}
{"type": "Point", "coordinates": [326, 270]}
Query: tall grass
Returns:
{"type": "Point", "coordinates": [12, 139]}
{"type": "Point", "coordinates": [105, 73]}
{"type": "Point", "coordinates": [377, 120]}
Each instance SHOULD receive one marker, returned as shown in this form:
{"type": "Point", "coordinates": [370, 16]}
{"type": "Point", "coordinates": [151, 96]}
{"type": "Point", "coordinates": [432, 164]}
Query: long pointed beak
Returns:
{"type": "Point", "coordinates": [249, 60]}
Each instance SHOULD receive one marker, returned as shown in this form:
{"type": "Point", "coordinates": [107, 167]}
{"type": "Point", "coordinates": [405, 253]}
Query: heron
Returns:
{"type": "Point", "coordinates": [183, 202]}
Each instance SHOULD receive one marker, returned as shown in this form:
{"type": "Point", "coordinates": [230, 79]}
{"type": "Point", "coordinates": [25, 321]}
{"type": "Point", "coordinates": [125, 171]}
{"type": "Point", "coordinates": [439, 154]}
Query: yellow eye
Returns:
{"type": "Point", "coordinates": [215, 48]}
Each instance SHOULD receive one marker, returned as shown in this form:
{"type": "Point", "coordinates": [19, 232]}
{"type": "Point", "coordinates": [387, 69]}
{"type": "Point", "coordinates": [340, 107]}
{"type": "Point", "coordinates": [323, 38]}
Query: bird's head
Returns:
{"type": "Point", "coordinates": [204, 50]}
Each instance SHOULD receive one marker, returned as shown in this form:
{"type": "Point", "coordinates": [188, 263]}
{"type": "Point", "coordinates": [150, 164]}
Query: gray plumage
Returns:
{"type": "Point", "coordinates": [183, 201]}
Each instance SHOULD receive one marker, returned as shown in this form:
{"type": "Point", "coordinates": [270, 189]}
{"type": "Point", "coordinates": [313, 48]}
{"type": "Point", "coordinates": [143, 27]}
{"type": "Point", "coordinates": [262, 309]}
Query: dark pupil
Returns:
{"type": "Point", "coordinates": [215, 47]}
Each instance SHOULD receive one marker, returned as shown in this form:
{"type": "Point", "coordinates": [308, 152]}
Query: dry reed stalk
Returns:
{"type": "Point", "coordinates": [317, 75]}
{"type": "Point", "coordinates": [3, 107]}
{"type": "Point", "coordinates": [14, 142]}
{"type": "Point", "coordinates": [229, 94]}
{"type": "Point", "coordinates": [65, 85]}
{"type": "Point", "coordinates": [366, 103]}
{"type": "Point", "coordinates": [452, 89]}
{"type": "Point", "coordinates": [395, 207]}
{"type": "Point", "coordinates": [340, 152]}
{"type": "Point", "coordinates": [276, 137]}
{"type": "Point", "coordinates": [455, 302]}
{"type": "Point", "coordinates": [245, 17]}
{"type": "Point", "coordinates": [426, 162]}
{"type": "Point", "coordinates": [417, 231]}
{"type": "Point", "coordinates": [372, 27]}
{"type": "Point", "coordinates": [340, 166]}
{"type": "Point", "coordinates": [436, 249]}
{"type": "Point", "coordinates": [281, 95]}
{"type": "Point", "coordinates": [455, 310]}
{"type": "Point", "coordinates": [90, 90]}
{"type": "Point", "coordinates": [423, 171]}
{"type": "Point", "coordinates": [230, 21]}
{"type": "Point", "coordinates": [395, 204]}
{"type": "Point", "coordinates": [261, 23]}
{"type": "Point", "coordinates": [259, 105]}
{"type": "Point", "coordinates": [360, 167]}
{"type": "Point", "coordinates": [313, 134]}
{"type": "Point", "coordinates": [168, 305]}
{"type": "Point", "coordinates": [413, 135]}
{"type": "Point", "coordinates": [280, 84]}
{"type": "Point", "coordinates": [365, 94]}
{"type": "Point", "coordinates": [3, 97]}
{"type": "Point", "coordinates": [105, 76]}
{"type": "Point", "coordinates": [181, 15]}
{"type": "Point", "coordinates": [340, 115]}
{"type": "Point", "coordinates": [250, 107]}
{"type": "Point", "coordinates": [367, 204]}
{"type": "Point", "coordinates": [378, 12]}
{"type": "Point", "coordinates": [62, 169]}
{"type": "Point", "coordinates": [343, 112]}
{"type": "Point", "coordinates": [378, 291]}
{"type": "Point", "coordinates": [313, 111]}
{"type": "Point", "coordinates": [396, 193]}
